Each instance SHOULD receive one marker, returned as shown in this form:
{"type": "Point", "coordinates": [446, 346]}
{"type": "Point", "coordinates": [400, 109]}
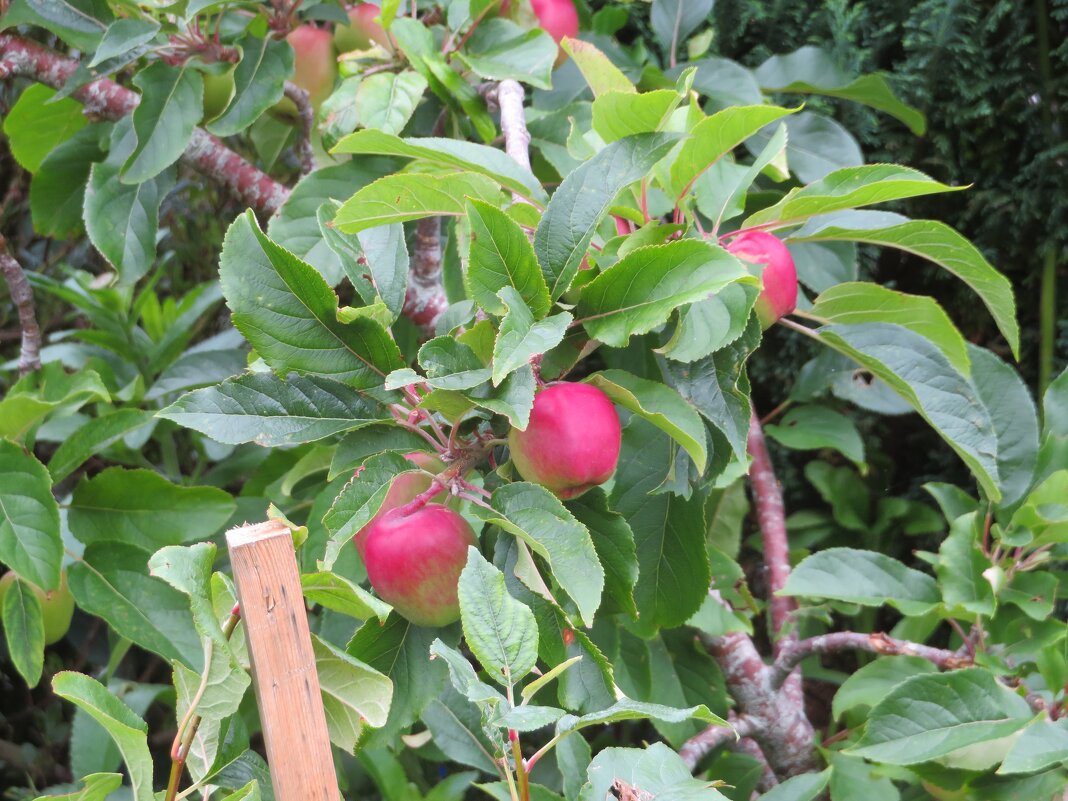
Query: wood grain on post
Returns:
{"type": "Point", "coordinates": [283, 665]}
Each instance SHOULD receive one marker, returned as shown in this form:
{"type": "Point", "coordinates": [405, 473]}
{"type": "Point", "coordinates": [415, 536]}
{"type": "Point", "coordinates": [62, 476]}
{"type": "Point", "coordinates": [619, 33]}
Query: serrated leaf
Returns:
{"type": "Point", "coordinates": [465, 680]}
{"type": "Point", "coordinates": [289, 314]}
{"type": "Point", "coordinates": [355, 695]}
{"type": "Point", "coordinates": [711, 324]}
{"type": "Point", "coordinates": [871, 683]}
{"type": "Point", "coordinates": [272, 411]}
{"type": "Point", "coordinates": [23, 622]}
{"type": "Point", "coordinates": [582, 200]}
{"type": "Point", "coordinates": [335, 592]}
{"type": "Point", "coordinates": [499, 49]}
{"type": "Point", "coordinates": [360, 500]}
{"type": "Point", "coordinates": [658, 404]}
{"type": "Point", "coordinates": [629, 709]}
{"type": "Point", "coordinates": [501, 256]}
{"type": "Point", "coordinates": [387, 100]}
{"type": "Point", "coordinates": [521, 337]}
{"type": "Point", "coordinates": [79, 23]}
{"type": "Point", "coordinates": [129, 732]}
{"type": "Point", "coordinates": [451, 153]}
{"type": "Point", "coordinates": [816, 427]}
{"type": "Point", "coordinates": [95, 436]}
{"type": "Point", "coordinates": [172, 100]}
{"type": "Point", "coordinates": [259, 83]}
{"type": "Point", "coordinates": [614, 543]}
{"type": "Point", "coordinates": [96, 787]}
{"type": "Point", "coordinates": [656, 770]}
{"type": "Point", "coordinates": [30, 542]}
{"type": "Point", "coordinates": [863, 577]}
{"type": "Point", "coordinates": [142, 508]}
{"type": "Point", "coordinates": [598, 70]}
{"type": "Point", "coordinates": [405, 196]}
{"type": "Point", "coordinates": [500, 631]}
{"type": "Point", "coordinates": [1043, 744]}
{"type": "Point", "coordinates": [122, 36]}
{"type": "Point", "coordinates": [640, 291]}
{"type": "Point", "coordinates": [714, 137]}
{"type": "Point", "coordinates": [537, 517]}
{"type": "Point", "coordinates": [930, 716]}
{"type": "Point", "coordinates": [617, 114]}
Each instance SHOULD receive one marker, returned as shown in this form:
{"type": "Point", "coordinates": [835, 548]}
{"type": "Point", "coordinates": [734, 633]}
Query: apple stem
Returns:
{"type": "Point", "coordinates": [475, 500]}
{"type": "Point", "coordinates": [467, 485]}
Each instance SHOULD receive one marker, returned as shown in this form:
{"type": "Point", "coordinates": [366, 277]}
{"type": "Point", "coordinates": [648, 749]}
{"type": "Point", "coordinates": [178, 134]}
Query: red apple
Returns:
{"type": "Point", "coordinates": [404, 489]}
{"type": "Point", "coordinates": [414, 562]}
{"type": "Point", "coordinates": [572, 441]}
{"type": "Point", "coordinates": [315, 67]}
{"type": "Point", "coordinates": [558, 18]}
{"type": "Point", "coordinates": [779, 295]}
{"type": "Point", "coordinates": [362, 31]}
{"type": "Point", "coordinates": [57, 606]}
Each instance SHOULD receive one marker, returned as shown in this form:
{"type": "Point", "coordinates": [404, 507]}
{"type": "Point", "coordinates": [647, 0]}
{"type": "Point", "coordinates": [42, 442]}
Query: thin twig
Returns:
{"type": "Point", "coordinates": [791, 654]}
{"type": "Point", "coordinates": [705, 742]}
{"type": "Point", "coordinates": [22, 295]}
{"type": "Point", "coordinates": [306, 113]}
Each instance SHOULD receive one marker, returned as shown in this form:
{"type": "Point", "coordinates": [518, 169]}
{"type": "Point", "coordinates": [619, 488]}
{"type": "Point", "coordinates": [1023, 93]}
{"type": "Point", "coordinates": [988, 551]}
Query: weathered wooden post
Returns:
{"type": "Point", "coordinates": [283, 665]}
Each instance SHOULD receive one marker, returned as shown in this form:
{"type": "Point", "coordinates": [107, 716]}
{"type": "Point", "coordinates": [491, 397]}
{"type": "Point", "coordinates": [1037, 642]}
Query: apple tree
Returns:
{"type": "Point", "coordinates": [478, 333]}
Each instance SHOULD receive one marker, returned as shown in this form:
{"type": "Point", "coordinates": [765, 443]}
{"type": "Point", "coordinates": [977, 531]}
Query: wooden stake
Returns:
{"type": "Point", "coordinates": [283, 665]}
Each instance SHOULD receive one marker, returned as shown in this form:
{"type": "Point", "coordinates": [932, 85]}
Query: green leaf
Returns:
{"type": "Point", "coordinates": [1042, 745]}
{"type": "Point", "coordinates": [810, 70]}
{"type": "Point", "coordinates": [79, 23]}
{"type": "Point", "coordinates": [721, 195]}
{"type": "Point", "coordinates": [815, 146]}
{"type": "Point", "coordinates": [711, 324]}
{"type": "Point", "coordinates": [455, 725]}
{"type": "Point", "coordinates": [936, 242]}
{"type": "Point", "coordinates": [584, 197]}
{"type": "Point", "coordinates": [669, 531]}
{"type": "Point", "coordinates": [501, 256]}
{"type": "Point", "coordinates": [360, 500]}
{"type": "Point", "coordinates": [38, 123]}
{"type": "Point", "coordinates": [639, 292]}
{"type": "Point", "coordinates": [864, 302]}
{"type": "Point", "coordinates": [172, 100]}
{"type": "Point", "coordinates": [401, 651]}
{"type": "Point", "coordinates": [500, 631]}
{"type": "Point", "coordinates": [95, 436]}
{"type": "Point", "coordinates": [871, 683]}
{"type": "Point", "coordinates": [921, 374]}
{"type": "Point", "coordinates": [297, 225]}
{"type": "Point", "coordinates": [30, 542]}
{"type": "Point", "coordinates": [122, 220]}
{"type": "Point", "coordinates": [335, 592]}
{"type": "Point", "coordinates": [658, 404]}
{"type": "Point", "coordinates": [499, 49]}
{"type": "Point", "coordinates": [600, 73]}
{"type": "Point", "coordinates": [24, 631]}
{"type": "Point", "coordinates": [628, 709]}
{"type": "Point", "coordinates": [656, 770]}
{"type": "Point", "coordinates": [458, 94]}
{"type": "Point", "coordinates": [97, 787]}
{"type": "Point", "coordinates": [217, 695]}
{"type": "Point", "coordinates": [716, 136]}
{"type": "Point", "coordinates": [960, 571]}
{"type": "Point", "coordinates": [259, 83]}
{"type": "Point", "coordinates": [449, 153]}
{"type": "Point", "coordinates": [142, 508]}
{"type": "Point", "coordinates": [58, 188]}
{"type": "Point", "coordinates": [288, 313]}
{"type": "Point", "coordinates": [354, 449]}
{"type": "Point", "coordinates": [614, 543]}
{"type": "Point", "coordinates": [933, 715]}
{"type": "Point", "coordinates": [111, 581]}
{"type": "Point", "coordinates": [387, 100]}
{"type": "Point", "coordinates": [863, 577]}
{"type": "Point", "coordinates": [805, 787]}
{"type": "Point", "coordinates": [272, 411]}
{"type": "Point", "coordinates": [129, 732]}
{"type": "Point", "coordinates": [809, 428]}
{"type": "Point", "coordinates": [1044, 512]}
{"type": "Point", "coordinates": [355, 695]}
{"type": "Point", "coordinates": [617, 114]}
{"type": "Point", "coordinates": [1012, 411]}
{"type": "Point", "coordinates": [674, 20]}
{"type": "Point", "coordinates": [408, 196]}
{"type": "Point", "coordinates": [122, 36]}
{"type": "Point", "coordinates": [44, 392]}
{"type": "Point", "coordinates": [536, 516]}
{"type": "Point", "coordinates": [850, 188]}
{"type": "Point", "coordinates": [465, 680]}
{"type": "Point", "coordinates": [521, 338]}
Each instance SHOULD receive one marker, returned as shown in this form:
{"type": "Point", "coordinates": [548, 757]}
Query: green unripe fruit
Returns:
{"type": "Point", "coordinates": [57, 606]}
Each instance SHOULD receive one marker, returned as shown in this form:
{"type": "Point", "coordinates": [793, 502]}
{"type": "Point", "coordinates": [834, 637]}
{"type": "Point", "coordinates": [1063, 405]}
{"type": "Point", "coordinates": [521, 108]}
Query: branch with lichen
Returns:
{"type": "Point", "coordinates": [22, 295]}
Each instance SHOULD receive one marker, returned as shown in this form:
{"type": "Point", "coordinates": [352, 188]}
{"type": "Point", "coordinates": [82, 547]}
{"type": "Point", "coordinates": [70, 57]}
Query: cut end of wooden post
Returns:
{"type": "Point", "coordinates": [255, 532]}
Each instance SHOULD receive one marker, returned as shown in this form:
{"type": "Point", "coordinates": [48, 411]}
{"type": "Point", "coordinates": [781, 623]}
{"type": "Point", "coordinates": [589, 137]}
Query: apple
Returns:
{"type": "Point", "coordinates": [315, 66]}
{"type": "Point", "coordinates": [218, 90]}
{"type": "Point", "coordinates": [558, 18]}
{"type": "Point", "coordinates": [414, 562]}
{"type": "Point", "coordinates": [57, 606]}
{"type": "Point", "coordinates": [362, 31]}
{"type": "Point", "coordinates": [779, 295]}
{"type": "Point", "coordinates": [572, 441]}
{"type": "Point", "coordinates": [403, 490]}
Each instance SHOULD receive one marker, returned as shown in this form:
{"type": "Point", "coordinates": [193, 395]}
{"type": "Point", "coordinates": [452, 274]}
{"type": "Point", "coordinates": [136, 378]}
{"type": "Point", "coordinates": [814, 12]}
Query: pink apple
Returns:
{"type": "Point", "coordinates": [572, 441]}
{"type": "Point", "coordinates": [414, 562]}
{"type": "Point", "coordinates": [315, 68]}
{"type": "Point", "coordinates": [404, 489]}
{"type": "Point", "coordinates": [362, 30]}
{"type": "Point", "coordinates": [779, 295]}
